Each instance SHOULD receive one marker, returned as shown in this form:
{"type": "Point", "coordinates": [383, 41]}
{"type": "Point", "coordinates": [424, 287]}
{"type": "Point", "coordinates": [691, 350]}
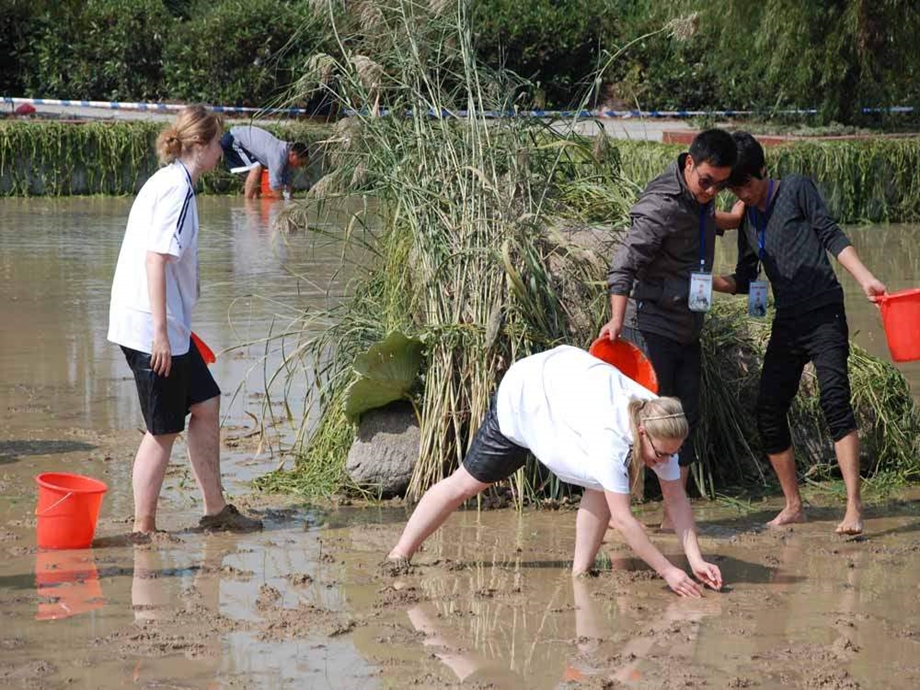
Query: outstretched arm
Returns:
{"type": "Point", "coordinates": [622, 519]}
{"type": "Point", "coordinates": [675, 498]}
{"type": "Point", "coordinates": [870, 285]}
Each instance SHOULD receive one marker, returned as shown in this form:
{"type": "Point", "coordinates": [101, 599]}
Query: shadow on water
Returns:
{"type": "Point", "coordinates": [11, 451]}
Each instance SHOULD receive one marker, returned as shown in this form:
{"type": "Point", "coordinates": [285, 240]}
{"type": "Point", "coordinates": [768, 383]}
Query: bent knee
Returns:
{"type": "Point", "coordinates": [206, 408]}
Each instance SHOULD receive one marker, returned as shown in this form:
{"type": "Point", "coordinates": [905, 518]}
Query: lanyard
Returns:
{"type": "Point", "coordinates": [753, 214]}
{"type": "Point", "coordinates": [703, 211]}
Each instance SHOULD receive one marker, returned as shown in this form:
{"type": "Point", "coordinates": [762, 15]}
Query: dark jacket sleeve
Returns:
{"type": "Point", "coordinates": [815, 210]}
{"type": "Point", "coordinates": [642, 244]}
{"type": "Point", "coordinates": [746, 267]}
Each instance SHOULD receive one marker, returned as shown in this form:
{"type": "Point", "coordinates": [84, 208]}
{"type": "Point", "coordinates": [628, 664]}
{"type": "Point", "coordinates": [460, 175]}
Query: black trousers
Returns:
{"type": "Point", "coordinates": [678, 368]}
{"type": "Point", "coordinates": [820, 336]}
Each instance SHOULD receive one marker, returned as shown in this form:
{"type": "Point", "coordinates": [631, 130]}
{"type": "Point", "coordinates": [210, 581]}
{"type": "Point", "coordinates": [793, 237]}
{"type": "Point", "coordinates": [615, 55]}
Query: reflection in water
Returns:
{"type": "Point", "coordinates": [67, 583]}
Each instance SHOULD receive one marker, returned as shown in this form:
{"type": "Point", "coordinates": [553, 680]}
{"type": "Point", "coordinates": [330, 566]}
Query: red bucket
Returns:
{"type": "Point", "coordinates": [68, 507]}
{"type": "Point", "coordinates": [266, 187]}
{"type": "Point", "coordinates": [628, 358]}
{"type": "Point", "coordinates": [901, 318]}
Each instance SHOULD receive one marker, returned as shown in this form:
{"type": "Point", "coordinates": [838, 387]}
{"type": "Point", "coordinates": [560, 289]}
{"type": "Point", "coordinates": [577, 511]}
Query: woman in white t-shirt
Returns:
{"type": "Point", "coordinates": [150, 317]}
{"type": "Point", "coordinates": [591, 426]}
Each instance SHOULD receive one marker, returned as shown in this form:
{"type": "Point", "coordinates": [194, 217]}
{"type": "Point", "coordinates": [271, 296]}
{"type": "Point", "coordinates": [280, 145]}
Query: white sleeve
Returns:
{"type": "Point", "coordinates": [669, 471]}
{"type": "Point", "coordinates": [168, 221]}
{"type": "Point", "coordinates": [610, 463]}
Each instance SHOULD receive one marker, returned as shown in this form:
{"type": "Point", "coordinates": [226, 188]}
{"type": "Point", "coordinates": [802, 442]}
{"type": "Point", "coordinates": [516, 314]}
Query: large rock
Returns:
{"type": "Point", "coordinates": [385, 450]}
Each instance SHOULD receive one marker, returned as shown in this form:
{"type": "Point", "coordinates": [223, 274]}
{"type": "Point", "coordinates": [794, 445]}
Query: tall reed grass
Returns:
{"type": "Point", "coordinates": [464, 258]}
{"type": "Point", "coordinates": [474, 253]}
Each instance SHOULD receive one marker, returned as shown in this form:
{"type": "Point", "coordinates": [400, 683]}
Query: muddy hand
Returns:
{"type": "Point", "coordinates": [709, 574]}
{"type": "Point", "coordinates": [683, 584]}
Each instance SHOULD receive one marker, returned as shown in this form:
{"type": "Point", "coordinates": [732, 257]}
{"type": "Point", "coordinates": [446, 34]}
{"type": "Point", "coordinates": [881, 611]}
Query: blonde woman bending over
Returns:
{"type": "Point", "coordinates": [591, 426]}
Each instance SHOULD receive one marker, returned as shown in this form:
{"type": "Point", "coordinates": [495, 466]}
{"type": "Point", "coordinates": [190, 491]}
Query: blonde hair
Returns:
{"type": "Point", "coordinates": [662, 418]}
{"type": "Point", "coordinates": [194, 125]}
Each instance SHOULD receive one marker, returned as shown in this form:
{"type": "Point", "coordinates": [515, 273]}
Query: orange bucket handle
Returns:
{"type": "Point", "coordinates": [53, 505]}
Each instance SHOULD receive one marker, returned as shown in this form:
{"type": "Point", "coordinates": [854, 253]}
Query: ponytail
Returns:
{"type": "Point", "coordinates": [194, 125]}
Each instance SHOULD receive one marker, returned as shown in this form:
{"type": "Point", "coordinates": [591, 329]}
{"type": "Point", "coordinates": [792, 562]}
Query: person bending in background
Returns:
{"type": "Point", "coordinates": [591, 426]}
{"type": "Point", "coordinates": [660, 279]}
{"type": "Point", "coordinates": [154, 291]}
{"type": "Point", "coordinates": [251, 149]}
{"type": "Point", "coordinates": [785, 230]}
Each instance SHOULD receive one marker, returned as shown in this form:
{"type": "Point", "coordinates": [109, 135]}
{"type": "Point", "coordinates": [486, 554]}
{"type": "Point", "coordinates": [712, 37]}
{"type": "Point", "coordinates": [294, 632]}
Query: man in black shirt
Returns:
{"type": "Point", "coordinates": [786, 230]}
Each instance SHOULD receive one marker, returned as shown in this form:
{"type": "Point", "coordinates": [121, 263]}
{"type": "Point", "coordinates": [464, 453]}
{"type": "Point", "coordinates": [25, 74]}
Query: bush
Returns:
{"type": "Point", "coordinates": [240, 52]}
{"type": "Point", "coordinates": [97, 49]}
{"type": "Point", "coordinates": [552, 44]}
{"type": "Point", "coordinates": [17, 25]}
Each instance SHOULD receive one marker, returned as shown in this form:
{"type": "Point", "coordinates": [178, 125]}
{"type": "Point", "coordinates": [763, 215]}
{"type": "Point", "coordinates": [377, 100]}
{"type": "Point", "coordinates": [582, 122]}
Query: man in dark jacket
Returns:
{"type": "Point", "coordinates": [669, 246]}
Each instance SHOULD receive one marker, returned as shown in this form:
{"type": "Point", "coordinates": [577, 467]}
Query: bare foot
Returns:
{"type": "Point", "coordinates": [787, 516]}
{"type": "Point", "coordinates": [852, 523]}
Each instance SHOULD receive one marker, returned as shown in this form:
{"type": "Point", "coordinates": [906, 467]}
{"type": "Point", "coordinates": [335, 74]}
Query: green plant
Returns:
{"type": "Point", "coordinates": [62, 158]}
{"type": "Point", "coordinates": [555, 46]}
{"type": "Point", "coordinates": [387, 372]}
{"type": "Point", "coordinates": [103, 49]}
{"type": "Point", "coordinates": [238, 52]}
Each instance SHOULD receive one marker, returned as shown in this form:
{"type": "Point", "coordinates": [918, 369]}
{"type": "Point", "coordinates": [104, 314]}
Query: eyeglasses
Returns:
{"type": "Point", "coordinates": [707, 183]}
{"type": "Point", "coordinates": [658, 454]}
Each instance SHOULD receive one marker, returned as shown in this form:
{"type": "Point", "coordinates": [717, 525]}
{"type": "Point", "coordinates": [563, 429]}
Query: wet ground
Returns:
{"type": "Point", "coordinates": [490, 602]}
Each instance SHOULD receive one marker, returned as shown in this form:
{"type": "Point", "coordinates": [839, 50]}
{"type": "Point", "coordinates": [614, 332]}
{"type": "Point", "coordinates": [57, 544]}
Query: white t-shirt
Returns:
{"type": "Point", "coordinates": [163, 219]}
{"type": "Point", "coordinates": [570, 410]}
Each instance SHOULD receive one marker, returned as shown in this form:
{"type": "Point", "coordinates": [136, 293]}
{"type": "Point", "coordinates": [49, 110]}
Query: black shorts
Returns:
{"type": "Point", "coordinates": [235, 155]}
{"type": "Point", "coordinates": [492, 456]}
{"type": "Point", "coordinates": [166, 400]}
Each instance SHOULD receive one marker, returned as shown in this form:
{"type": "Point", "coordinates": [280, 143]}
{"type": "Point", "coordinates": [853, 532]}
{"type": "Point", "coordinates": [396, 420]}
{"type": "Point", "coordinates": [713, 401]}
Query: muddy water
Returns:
{"type": "Point", "coordinates": [490, 602]}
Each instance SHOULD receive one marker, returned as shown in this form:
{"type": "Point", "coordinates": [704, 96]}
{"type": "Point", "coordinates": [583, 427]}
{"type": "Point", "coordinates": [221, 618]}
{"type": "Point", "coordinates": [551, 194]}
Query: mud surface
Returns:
{"type": "Point", "coordinates": [489, 603]}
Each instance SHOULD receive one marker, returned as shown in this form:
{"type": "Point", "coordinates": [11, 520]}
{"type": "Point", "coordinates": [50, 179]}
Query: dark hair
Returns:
{"type": "Point", "coordinates": [750, 161]}
{"type": "Point", "coordinates": [300, 149]}
{"type": "Point", "coordinates": [714, 146]}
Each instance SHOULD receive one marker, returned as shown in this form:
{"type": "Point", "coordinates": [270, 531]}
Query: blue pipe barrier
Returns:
{"type": "Point", "coordinates": [493, 114]}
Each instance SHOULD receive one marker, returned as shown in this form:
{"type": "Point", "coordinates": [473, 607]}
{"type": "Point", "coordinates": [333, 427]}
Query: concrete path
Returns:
{"type": "Point", "coordinates": [649, 129]}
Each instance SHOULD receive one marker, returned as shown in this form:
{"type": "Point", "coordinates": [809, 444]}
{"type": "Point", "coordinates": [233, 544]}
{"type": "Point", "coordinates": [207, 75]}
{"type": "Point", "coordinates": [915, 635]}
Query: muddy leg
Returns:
{"type": "Point", "coordinates": [204, 453]}
{"type": "Point", "coordinates": [435, 507]}
{"type": "Point", "coordinates": [590, 526]}
{"type": "Point", "coordinates": [147, 478]}
{"type": "Point", "coordinates": [784, 466]}
{"type": "Point", "coordinates": [847, 450]}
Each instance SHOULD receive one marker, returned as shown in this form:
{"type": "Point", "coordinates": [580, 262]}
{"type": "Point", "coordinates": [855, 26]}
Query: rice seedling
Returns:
{"type": "Point", "coordinates": [40, 158]}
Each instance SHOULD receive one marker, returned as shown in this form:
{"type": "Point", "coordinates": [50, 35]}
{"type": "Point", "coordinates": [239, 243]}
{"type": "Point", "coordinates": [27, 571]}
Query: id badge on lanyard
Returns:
{"type": "Point", "coordinates": [757, 299]}
{"type": "Point", "coordinates": [700, 298]}
{"type": "Point", "coordinates": [757, 293]}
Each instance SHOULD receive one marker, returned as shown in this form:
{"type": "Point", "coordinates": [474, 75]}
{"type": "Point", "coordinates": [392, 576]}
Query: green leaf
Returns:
{"type": "Point", "coordinates": [395, 358]}
{"type": "Point", "coordinates": [387, 372]}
